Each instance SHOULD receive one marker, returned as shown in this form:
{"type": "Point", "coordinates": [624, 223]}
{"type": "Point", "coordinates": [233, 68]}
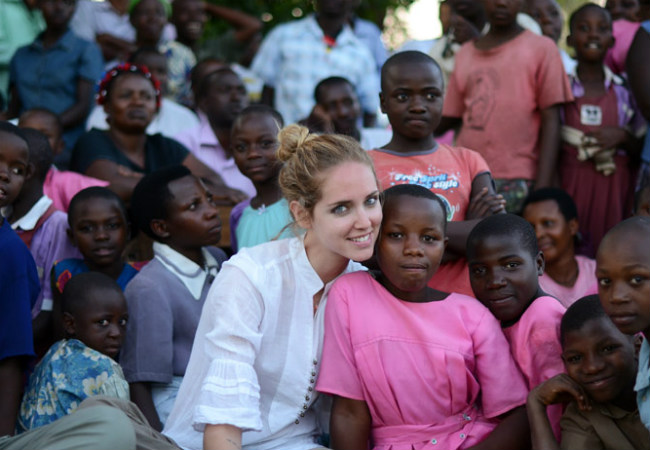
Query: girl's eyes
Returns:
{"type": "Point", "coordinates": [395, 235]}
{"type": "Point", "coordinates": [603, 282]}
{"type": "Point", "coordinates": [18, 171]}
{"type": "Point", "coordinates": [432, 96]}
{"type": "Point", "coordinates": [103, 322]}
{"type": "Point", "coordinates": [401, 97]}
{"type": "Point", "coordinates": [573, 359]}
{"type": "Point", "coordinates": [371, 201]}
{"type": "Point", "coordinates": [478, 270]}
{"type": "Point", "coordinates": [428, 238]}
{"type": "Point", "coordinates": [512, 265]}
{"type": "Point", "coordinates": [114, 225]}
{"type": "Point", "coordinates": [548, 223]}
{"type": "Point", "coordinates": [340, 210]}
{"type": "Point", "coordinates": [123, 322]}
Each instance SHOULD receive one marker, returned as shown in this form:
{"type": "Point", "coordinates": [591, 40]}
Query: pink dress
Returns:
{"type": "Point", "coordinates": [586, 283]}
{"type": "Point", "coordinates": [434, 375]}
{"type": "Point", "coordinates": [535, 345]}
{"type": "Point", "coordinates": [61, 186]}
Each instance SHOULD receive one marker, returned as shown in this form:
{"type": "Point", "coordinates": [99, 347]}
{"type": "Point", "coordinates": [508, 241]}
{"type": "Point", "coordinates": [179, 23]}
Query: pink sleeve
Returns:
{"type": "Point", "coordinates": [502, 385]}
{"type": "Point", "coordinates": [552, 82]}
{"type": "Point", "coordinates": [338, 372]}
{"type": "Point", "coordinates": [540, 356]}
{"type": "Point", "coordinates": [454, 104]}
{"type": "Point", "coordinates": [475, 162]}
{"type": "Point", "coordinates": [61, 186]}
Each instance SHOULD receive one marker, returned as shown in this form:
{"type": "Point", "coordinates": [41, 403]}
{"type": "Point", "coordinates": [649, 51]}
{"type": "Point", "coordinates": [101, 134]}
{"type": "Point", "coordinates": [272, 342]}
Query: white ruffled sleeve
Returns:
{"type": "Point", "coordinates": [229, 339]}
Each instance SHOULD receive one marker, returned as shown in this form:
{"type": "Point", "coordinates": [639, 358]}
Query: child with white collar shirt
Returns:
{"type": "Point", "coordinates": [166, 298]}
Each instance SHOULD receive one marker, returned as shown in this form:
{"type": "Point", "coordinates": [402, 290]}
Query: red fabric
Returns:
{"type": "Point", "coordinates": [27, 235]}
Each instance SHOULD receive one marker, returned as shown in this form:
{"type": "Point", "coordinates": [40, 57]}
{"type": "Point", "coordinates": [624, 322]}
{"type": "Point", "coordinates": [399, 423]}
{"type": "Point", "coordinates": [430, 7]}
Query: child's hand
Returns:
{"type": "Point", "coordinates": [227, 196]}
{"type": "Point", "coordinates": [560, 389]}
{"type": "Point", "coordinates": [484, 204]}
{"type": "Point", "coordinates": [319, 120]}
{"type": "Point", "coordinates": [609, 137]}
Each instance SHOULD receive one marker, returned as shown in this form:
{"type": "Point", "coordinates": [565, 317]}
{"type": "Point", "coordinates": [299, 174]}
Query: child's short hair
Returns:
{"type": "Point", "coordinates": [583, 310]}
{"type": "Point", "coordinates": [10, 128]}
{"type": "Point", "coordinates": [45, 113]}
{"type": "Point", "coordinates": [78, 292]}
{"type": "Point", "coordinates": [262, 110]}
{"type": "Point", "coordinates": [417, 191]}
{"type": "Point", "coordinates": [329, 82]}
{"type": "Point", "coordinates": [206, 83]}
{"type": "Point", "coordinates": [41, 155]}
{"type": "Point", "coordinates": [151, 197]}
{"type": "Point", "coordinates": [199, 72]}
{"type": "Point", "coordinates": [142, 52]}
{"type": "Point", "coordinates": [508, 225]}
{"type": "Point", "coordinates": [406, 58]}
{"type": "Point", "coordinates": [563, 200]}
{"type": "Point", "coordinates": [583, 8]}
{"type": "Point", "coordinates": [92, 193]}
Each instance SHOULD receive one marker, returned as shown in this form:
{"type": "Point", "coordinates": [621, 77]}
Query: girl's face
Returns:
{"type": "Point", "coordinates": [131, 104]}
{"type": "Point", "coordinates": [623, 9]}
{"type": "Point", "coordinates": [591, 35]}
{"type": "Point", "coordinates": [623, 273]}
{"type": "Point", "coordinates": [410, 246]}
{"type": "Point", "coordinates": [548, 15]}
{"type": "Point", "coordinates": [600, 358]}
{"type": "Point", "coordinates": [504, 275]}
{"type": "Point", "coordinates": [345, 222]}
{"type": "Point", "coordinates": [103, 326]}
{"type": "Point", "coordinates": [555, 236]}
{"type": "Point", "coordinates": [100, 231]}
{"type": "Point", "coordinates": [254, 143]}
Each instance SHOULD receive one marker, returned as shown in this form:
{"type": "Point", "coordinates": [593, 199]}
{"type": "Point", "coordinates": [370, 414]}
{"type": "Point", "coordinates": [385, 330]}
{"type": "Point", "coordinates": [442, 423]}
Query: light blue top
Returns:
{"type": "Point", "coordinates": [642, 386]}
{"type": "Point", "coordinates": [257, 226]}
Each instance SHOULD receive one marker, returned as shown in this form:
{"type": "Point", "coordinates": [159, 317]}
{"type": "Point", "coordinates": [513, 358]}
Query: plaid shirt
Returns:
{"type": "Point", "coordinates": [294, 57]}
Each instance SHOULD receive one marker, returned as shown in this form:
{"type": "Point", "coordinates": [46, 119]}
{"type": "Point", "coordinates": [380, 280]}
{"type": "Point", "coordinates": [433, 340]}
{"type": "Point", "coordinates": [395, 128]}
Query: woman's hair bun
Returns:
{"type": "Point", "coordinates": [292, 138]}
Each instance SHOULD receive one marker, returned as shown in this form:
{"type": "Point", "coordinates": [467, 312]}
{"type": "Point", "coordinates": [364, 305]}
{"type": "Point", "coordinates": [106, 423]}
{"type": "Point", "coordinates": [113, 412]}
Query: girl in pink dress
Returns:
{"type": "Point", "coordinates": [567, 276]}
{"type": "Point", "coordinates": [411, 367]}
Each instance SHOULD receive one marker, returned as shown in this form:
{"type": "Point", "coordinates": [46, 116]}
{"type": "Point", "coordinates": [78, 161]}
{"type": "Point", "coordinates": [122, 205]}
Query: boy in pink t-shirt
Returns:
{"type": "Point", "coordinates": [504, 266]}
{"type": "Point", "coordinates": [504, 94]}
{"type": "Point", "coordinates": [59, 185]}
{"type": "Point", "coordinates": [412, 96]}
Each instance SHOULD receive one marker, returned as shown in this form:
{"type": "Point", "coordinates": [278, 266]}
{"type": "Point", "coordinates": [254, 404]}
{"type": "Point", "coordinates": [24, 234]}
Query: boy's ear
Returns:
{"type": "Point", "coordinates": [381, 102]}
{"type": "Point", "coordinates": [68, 231]}
{"type": "Point", "coordinates": [30, 172]}
{"type": "Point", "coordinates": [159, 228]}
{"type": "Point", "coordinates": [68, 324]}
{"type": "Point", "coordinates": [540, 263]}
{"type": "Point", "coordinates": [300, 214]}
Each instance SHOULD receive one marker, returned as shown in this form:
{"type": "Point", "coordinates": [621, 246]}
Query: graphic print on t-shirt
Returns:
{"type": "Point", "coordinates": [480, 99]}
{"type": "Point", "coordinates": [436, 183]}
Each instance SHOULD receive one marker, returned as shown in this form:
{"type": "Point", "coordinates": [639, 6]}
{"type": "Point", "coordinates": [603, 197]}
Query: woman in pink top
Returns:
{"type": "Point", "coordinates": [567, 276]}
{"type": "Point", "coordinates": [411, 367]}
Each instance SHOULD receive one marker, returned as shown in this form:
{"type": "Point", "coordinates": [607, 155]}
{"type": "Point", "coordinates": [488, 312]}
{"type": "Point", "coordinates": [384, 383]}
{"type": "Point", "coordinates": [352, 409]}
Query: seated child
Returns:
{"type": "Point", "coordinates": [165, 299]}
{"type": "Point", "coordinates": [566, 276]}
{"type": "Point", "coordinates": [505, 94]}
{"type": "Point", "coordinates": [57, 71]}
{"type": "Point", "coordinates": [82, 365]}
{"type": "Point", "coordinates": [99, 228]}
{"type": "Point", "coordinates": [409, 365]}
{"type": "Point", "coordinates": [599, 386]}
{"type": "Point", "coordinates": [19, 285]}
{"type": "Point", "coordinates": [504, 266]}
{"type": "Point", "coordinates": [601, 130]}
{"type": "Point", "coordinates": [38, 223]}
{"type": "Point", "coordinates": [411, 96]}
{"type": "Point", "coordinates": [254, 142]}
{"type": "Point", "coordinates": [59, 185]}
{"type": "Point", "coordinates": [623, 272]}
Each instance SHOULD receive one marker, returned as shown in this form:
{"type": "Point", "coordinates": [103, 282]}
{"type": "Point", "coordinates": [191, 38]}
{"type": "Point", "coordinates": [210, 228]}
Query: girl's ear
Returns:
{"type": "Point", "coordinates": [540, 263]}
{"type": "Point", "coordinates": [68, 324]}
{"type": "Point", "coordinates": [159, 228]}
{"type": "Point", "coordinates": [300, 214]}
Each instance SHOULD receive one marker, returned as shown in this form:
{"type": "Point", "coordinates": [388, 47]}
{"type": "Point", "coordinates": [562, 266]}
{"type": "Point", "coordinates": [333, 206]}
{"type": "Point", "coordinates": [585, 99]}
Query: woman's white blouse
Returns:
{"type": "Point", "coordinates": [257, 351]}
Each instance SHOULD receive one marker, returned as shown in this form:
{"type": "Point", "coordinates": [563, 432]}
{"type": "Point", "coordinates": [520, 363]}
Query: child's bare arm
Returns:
{"type": "Point", "coordinates": [511, 433]}
{"type": "Point", "coordinates": [638, 70]}
{"type": "Point", "coordinates": [11, 387]}
{"type": "Point", "coordinates": [549, 146]}
{"type": "Point", "coordinates": [559, 389]}
{"type": "Point", "coordinates": [484, 200]}
{"type": "Point", "coordinates": [78, 112]}
{"type": "Point", "coordinates": [446, 124]}
{"type": "Point", "coordinates": [141, 396]}
{"type": "Point", "coordinates": [245, 25]}
{"type": "Point", "coordinates": [349, 424]}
